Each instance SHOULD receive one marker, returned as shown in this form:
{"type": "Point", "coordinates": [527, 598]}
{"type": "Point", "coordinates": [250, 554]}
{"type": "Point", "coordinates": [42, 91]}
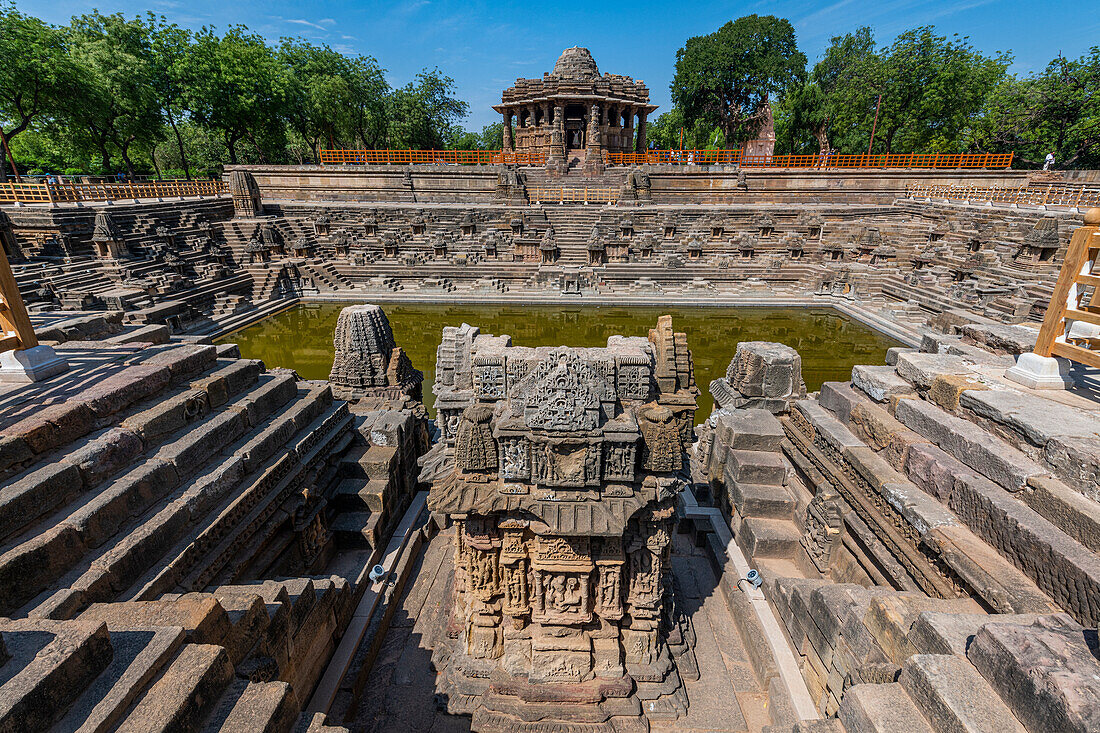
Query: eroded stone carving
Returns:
{"type": "Point", "coordinates": [560, 472]}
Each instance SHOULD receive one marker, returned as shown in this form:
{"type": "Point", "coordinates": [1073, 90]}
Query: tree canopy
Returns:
{"type": "Point", "coordinates": [112, 94]}
{"type": "Point", "coordinates": [727, 78]}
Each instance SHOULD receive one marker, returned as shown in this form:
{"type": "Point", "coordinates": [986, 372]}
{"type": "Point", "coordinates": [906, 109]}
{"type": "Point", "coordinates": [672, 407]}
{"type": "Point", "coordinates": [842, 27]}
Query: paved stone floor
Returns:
{"type": "Point", "coordinates": [398, 695]}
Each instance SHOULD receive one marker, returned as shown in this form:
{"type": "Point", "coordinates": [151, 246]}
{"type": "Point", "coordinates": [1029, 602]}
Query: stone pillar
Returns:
{"type": "Point", "coordinates": [508, 147]}
{"type": "Point", "coordinates": [593, 150]}
{"type": "Point", "coordinates": [628, 131]}
{"type": "Point", "coordinates": [555, 162]}
{"type": "Point", "coordinates": [641, 144]}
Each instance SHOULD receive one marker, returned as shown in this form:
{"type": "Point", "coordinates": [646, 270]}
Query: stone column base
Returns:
{"type": "Point", "coordinates": [31, 365]}
{"type": "Point", "coordinates": [1040, 372]}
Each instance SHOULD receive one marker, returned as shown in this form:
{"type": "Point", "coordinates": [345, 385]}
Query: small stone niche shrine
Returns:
{"type": "Point", "coordinates": [559, 468]}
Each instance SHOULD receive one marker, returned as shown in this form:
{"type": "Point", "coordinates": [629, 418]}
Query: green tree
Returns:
{"type": "Point", "coordinates": [726, 79]}
{"type": "Point", "coordinates": [423, 112]}
{"type": "Point", "coordinates": [933, 90]}
{"type": "Point", "coordinates": [1054, 111]}
{"type": "Point", "coordinates": [36, 75]}
{"type": "Point", "coordinates": [115, 102]}
{"type": "Point", "coordinates": [233, 87]}
{"type": "Point", "coordinates": [170, 46]}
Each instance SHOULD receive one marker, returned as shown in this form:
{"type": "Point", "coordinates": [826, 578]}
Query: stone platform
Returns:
{"type": "Point", "coordinates": [399, 695]}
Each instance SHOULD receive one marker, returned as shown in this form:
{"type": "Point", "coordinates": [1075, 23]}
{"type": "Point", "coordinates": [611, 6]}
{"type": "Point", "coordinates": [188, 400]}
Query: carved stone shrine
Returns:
{"type": "Point", "coordinates": [559, 468]}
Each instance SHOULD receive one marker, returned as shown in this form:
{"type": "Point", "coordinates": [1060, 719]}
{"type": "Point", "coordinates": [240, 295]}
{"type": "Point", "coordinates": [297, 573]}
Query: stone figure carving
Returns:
{"type": "Point", "coordinates": [559, 469]}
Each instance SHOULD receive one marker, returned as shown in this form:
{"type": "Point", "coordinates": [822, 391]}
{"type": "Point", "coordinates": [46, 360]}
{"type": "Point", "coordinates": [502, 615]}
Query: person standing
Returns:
{"type": "Point", "coordinates": [1049, 162]}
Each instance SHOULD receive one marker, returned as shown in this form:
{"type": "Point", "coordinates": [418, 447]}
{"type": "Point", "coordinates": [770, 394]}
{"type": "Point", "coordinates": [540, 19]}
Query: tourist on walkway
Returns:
{"type": "Point", "coordinates": [1049, 162]}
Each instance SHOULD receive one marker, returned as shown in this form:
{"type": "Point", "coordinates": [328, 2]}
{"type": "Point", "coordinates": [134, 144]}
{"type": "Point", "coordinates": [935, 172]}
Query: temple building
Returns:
{"type": "Point", "coordinates": [589, 112]}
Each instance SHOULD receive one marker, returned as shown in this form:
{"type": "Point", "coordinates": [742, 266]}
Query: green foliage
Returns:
{"type": "Point", "coordinates": [1054, 111]}
{"type": "Point", "coordinates": [107, 93]}
{"type": "Point", "coordinates": [726, 79]}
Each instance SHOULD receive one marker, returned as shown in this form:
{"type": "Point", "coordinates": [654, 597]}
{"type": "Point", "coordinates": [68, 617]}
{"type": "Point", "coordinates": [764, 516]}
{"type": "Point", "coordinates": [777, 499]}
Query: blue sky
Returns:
{"type": "Point", "coordinates": [486, 44]}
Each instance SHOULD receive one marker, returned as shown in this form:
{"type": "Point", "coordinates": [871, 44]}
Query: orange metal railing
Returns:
{"type": "Point", "coordinates": [1027, 195]}
{"type": "Point", "coordinates": [57, 193]}
{"type": "Point", "coordinates": [884, 160]}
{"type": "Point", "coordinates": [430, 157]}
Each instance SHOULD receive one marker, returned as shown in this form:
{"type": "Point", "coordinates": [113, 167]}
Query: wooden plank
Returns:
{"type": "Point", "coordinates": [17, 312]}
{"type": "Point", "coordinates": [1052, 322]}
{"type": "Point", "coordinates": [1077, 354]}
{"type": "Point", "coordinates": [1083, 315]}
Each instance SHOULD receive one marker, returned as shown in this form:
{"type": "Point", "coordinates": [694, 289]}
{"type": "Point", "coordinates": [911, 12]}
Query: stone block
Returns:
{"type": "Point", "coordinates": [184, 359]}
{"type": "Point", "coordinates": [750, 430]}
{"type": "Point", "coordinates": [755, 467]}
{"type": "Point", "coordinates": [922, 369]}
{"type": "Point", "coordinates": [37, 493]}
{"type": "Point", "coordinates": [954, 697]}
{"type": "Point", "coordinates": [946, 389]}
{"type": "Point", "coordinates": [880, 709]}
{"type": "Point", "coordinates": [191, 450]}
{"type": "Point", "coordinates": [880, 382]}
{"type": "Point", "coordinates": [838, 398]}
{"type": "Point", "coordinates": [884, 434]}
{"type": "Point", "coordinates": [936, 632]}
{"type": "Point", "coordinates": [109, 453]}
{"type": "Point", "coordinates": [53, 426]}
{"type": "Point", "coordinates": [121, 390]}
{"type": "Point", "coordinates": [894, 352]}
{"type": "Point", "coordinates": [38, 695]}
{"type": "Point", "coordinates": [184, 694]}
{"type": "Point", "coordinates": [762, 537]}
{"type": "Point", "coordinates": [1048, 677]}
{"type": "Point", "coordinates": [1074, 514]}
{"type": "Point", "coordinates": [765, 369]}
{"type": "Point", "coordinates": [1000, 338]}
{"type": "Point", "coordinates": [1033, 418]}
{"type": "Point", "coordinates": [125, 498]}
{"type": "Point", "coordinates": [970, 444]}
{"type": "Point", "coordinates": [755, 500]}
{"type": "Point", "coordinates": [1077, 462]}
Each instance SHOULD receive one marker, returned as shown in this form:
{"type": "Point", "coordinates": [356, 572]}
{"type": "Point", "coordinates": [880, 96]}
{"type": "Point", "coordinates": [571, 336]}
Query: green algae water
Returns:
{"type": "Point", "coordinates": [830, 344]}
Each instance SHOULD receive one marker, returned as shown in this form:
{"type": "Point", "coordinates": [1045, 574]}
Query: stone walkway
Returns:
{"type": "Point", "coordinates": [399, 695]}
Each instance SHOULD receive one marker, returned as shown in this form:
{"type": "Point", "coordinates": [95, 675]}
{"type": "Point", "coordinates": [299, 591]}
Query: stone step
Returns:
{"type": "Point", "coordinates": [184, 694]}
{"type": "Point", "coordinates": [138, 657]}
{"type": "Point", "coordinates": [38, 694]}
{"type": "Point", "coordinates": [755, 467]}
{"type": "Point", "coordinates": [880, 709]}
{"type": "Point", "coordinates": [969, 443]}
{"type": "Point", "coordinates": [769, 538]}
{"type": "Point", "coordinates": [104, 571]}
{"type": "Point", "coordinates": [255, 706]}
{"type": "Point", "coordinates": [356, 494]}
{"type": "Point", "coordinates": [1045, 672]}
{"type": "Point", "coordinates": [757, 500]}
{"type": "Point", "coordinates": [369, 462]}
{"type": "Point", "coordinates": [953, 696]}
{"type": "Point", "coordinates": [357, 529]}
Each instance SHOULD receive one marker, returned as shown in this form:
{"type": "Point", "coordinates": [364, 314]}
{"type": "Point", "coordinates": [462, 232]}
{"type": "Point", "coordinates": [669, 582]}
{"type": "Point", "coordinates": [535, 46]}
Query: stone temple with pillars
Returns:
{"type": "Point", "coordinates": [575, 112]}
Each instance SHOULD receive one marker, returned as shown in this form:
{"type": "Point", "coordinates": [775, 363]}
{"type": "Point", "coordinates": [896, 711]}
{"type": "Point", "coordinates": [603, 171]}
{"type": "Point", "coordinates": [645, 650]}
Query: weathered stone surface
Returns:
{"type": "Point", "coordinates": [880, 382]}
{"type": "Point", "coordinates": [1059, 566]}
{"type": "Point", "coordinates": [969, 443]}
{"type": "Point", "coordinates": [937, 632]}
{"type": "Point", "coordinates": [36, 493]}
{"type": "Point", "coordinates": [132, 384]}
{"type": "Point", "coordinates": [1077, 462]}
{"type": "Point", "coordinates": [1000, 338]}
{"type": "Point", "coordinates": [761, 375]}
{"type": "Point", "coordinates": [109, 453]}
{"type": "Point", "coordinates": [954, 697]}
{"type": "Point", "coordinates": [1048, 677]}
{"type": "Point", "coordinates": [880, 709]}
{"type": "Point", "coordinates": [1033, 418]}
{"type": "Point", "coordinates": [921, 369]}
{"type": "Point", "coordinates": [751, 430]}
{"type": "Point", "coordinates": [946, 389]}
{"type": "Point", "coordinates": [1074, 514]}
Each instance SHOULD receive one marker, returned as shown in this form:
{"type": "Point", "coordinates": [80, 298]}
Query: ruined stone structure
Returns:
{"type": "Point", "coordinates": [575, 110]}
{"type": "Point", "coordinates": [368, 363]}
{"type": "Point", "coordinates": [559, 468]}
